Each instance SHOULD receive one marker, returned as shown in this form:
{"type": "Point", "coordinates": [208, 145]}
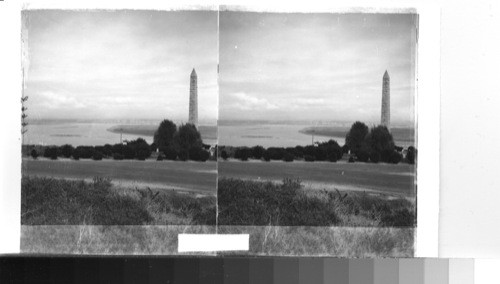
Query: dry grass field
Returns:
{"type": "Point", "coordinates": [385, 178]}
{"type": "Point", "coordinates": [187, 176]}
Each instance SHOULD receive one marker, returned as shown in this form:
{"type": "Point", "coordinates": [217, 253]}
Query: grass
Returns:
{"type": "Point", "coordinates": [106, 240]}
{"type": "Point", "coordinates": [50, 201]}
{"type": "Point", "coordinates": [254, 203]}
{"type": "Point", "coordinates": [386, 178]}
{"type": "Point", "coordinates": [193, 176]}
{"type": "Point", "coordinates": [360, 242]}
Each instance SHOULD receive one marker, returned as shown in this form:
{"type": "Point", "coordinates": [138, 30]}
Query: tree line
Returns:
{"type": "Point", "coordinates": [172, 142]}
{"type": "Point", "coordinates": [362, 144]}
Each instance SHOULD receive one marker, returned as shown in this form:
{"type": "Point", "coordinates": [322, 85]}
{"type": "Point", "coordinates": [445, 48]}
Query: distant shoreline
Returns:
{"type": "Point", "coordinates": [206, 131]}
{"type": "Point", "coordinates": [403, 134]}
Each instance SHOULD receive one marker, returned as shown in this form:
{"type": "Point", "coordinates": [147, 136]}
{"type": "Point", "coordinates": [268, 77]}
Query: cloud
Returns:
{"type": "Point", "coordinates": [247, 102]}
{"type": "Point", "coordinates": [120, 64]}
{"type": "Point", "coordinates": [56, 101]}
{"type": "Point", "coordinates": [324, 66]}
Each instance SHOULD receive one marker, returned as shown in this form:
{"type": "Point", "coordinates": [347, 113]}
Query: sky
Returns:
{"type": "Point", "coordinates": [325, 67]}
{"type": "Point", "coordinates": [119, 64]}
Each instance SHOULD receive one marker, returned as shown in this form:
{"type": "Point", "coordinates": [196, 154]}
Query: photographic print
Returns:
{"type": "Point", "coordinates": [317, 132]}
{"type": "Point", "coordinates": [119, 129]}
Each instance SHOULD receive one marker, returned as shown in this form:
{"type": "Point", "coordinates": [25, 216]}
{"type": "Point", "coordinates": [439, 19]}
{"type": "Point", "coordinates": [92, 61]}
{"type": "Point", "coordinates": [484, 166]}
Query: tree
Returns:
{"type": "Point", "coordinates": [67, 150]}
{"type": "Point", "coordinates": [170, 153]}
{"type": "Point", "coordinates": [332, 150]}
{"type": "Point", "coordinates": [375, 157]}
{"type": "Point", "coordinates": [257, 152]}
{"type": "Point", "coordinates": [223, 155]}
{"type": "Point", "coordinates": [288, 157]}
{"type": "Point", "coordinates": [355, 138]}
{"type": "Point", "coordinates": [309, 158]}
{"type": "Point", "coordinates": [380, 140]}
{"type": "Point", "coordinates": [186, 137]}
{"type": "Point", "coordinates": [198, 154]}
{"type": "Point", "coordinates": [34, 154]}
{"type": "Point", "coordinates": [141, 148]}
{"type": "Point", "coordinates": [97, 156]}
{"type": "Point", "coordinates": [164, 135]}
{"type": "Point", "coordinates": [266, 155]}
{"type": "Point", "coordinates": [51, 153]}
{"type": "Point", "coordinates": [411, 155]}
{"type": "Point", "coordinates": [363, 155]}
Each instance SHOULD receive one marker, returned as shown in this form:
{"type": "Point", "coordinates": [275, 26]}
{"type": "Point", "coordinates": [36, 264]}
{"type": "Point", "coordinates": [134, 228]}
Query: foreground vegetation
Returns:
{"type": "Point", "coordinates": [106, 240]}
{"type": "Point", "coordinates": [352, 242]}
{"type": "Point", "coordinates": [254, 203]}
{"type": "Point", "coordinates": [50, 201]}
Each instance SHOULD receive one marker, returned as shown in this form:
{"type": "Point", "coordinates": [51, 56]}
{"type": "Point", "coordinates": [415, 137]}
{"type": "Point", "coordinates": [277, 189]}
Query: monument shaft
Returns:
{"type": "Point", "coordinates": [193, 99]}
{"type": "Point", "coordinates": [386, 101]}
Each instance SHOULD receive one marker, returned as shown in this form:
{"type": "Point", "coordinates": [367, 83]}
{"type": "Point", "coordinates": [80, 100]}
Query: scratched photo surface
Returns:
{"type": "Point", "coordinates": [317, 139]}
{"type": "Point", "coordinates": [119, 129]}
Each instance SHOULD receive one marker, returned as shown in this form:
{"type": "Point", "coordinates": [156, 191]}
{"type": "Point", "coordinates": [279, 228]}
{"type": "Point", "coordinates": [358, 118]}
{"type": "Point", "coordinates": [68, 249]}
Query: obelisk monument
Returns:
{"type": "Point", "coordinates": [193, 99]}
{"type": "Point", "coordinates": [386, 101]}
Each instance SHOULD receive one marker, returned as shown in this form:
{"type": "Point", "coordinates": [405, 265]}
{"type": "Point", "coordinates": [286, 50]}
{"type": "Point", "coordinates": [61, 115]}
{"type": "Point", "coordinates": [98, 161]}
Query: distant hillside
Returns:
{"type": "Point", "coordinates": [207, 131]}
{"type": "Point", "coordinates": [405, 134]}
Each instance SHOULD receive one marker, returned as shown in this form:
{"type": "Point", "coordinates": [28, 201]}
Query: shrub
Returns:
{"type": "Point", "coordinates": [288, 157]}
{"type": "Point", "coordinates": [118, 156]}
{"type": "Point", "coordinates": [153, 147]}
{"type": "Point", "coordinates": [298, 152]}
{"type": "Point", "coordinates": [117, 149]}
{"type": "Point", "coordinates": [69, 202]}
{"type": "Point", "coordinates": [309, 158]}
{"type": "Point", "coordinates": [198, 154]}
{"type": "Point", "coordinates": [97, 156]}
{"type": "Point", "coordinates": [267, 156]}
{"type": "Point", "coordinates": [99, 149]}
{"type": "Point", "coordinates": [183, 155]}
{"type": "Point", "coordinates": [362, 156]}
{"type": "Point", "coordinates": [67, 150]}
{"type": "Point", "coordinates": [34, 154]}
{"type": "Point", "coordinates": [76, 156]}
{"type": "Point", "coordinates": [170, 153]}
{"type": "Point", "coordinates": [140, 149]}
{"type": "Point", "coordinates": [345, 149]}
{"type": "Point", "coordinates": [320, 153]}
{"type": "Point", "coordinates": [223, 155]}
{"type": "Point", "coordinates": [51, 153]}
{"type": "Point", "coordinates": [84, 152]}
{"type": "Point", "coordinates": [309, 150]}
{"type": "Point", "coordinates": [142, 155]}
{"type": "Point", "coordinates": [396, 157]}
{"type": "Point", "coordinates": [386, 156]}
{"type": "Point", "coordinates": [128, 152]}
{"type": "Point", "coordinates": [160, 157]}
{"type": "Point", "coordinates": [374, 157]}
{"type": "Point", "coordinates": [351, 159]}
{"type": "Point", "coordinates": [242, 153]}
{"type": "Point", "coordinates": [333, 157]}
{"type": "Point", "coordinates": [257, 152]}
{"type": "Point", "coordinates": [276, 153]}
{"type": "Point", "coordinates": [107, 150]}
{"type": "Point", "coordinates": [411, 154]}
{"type": "Point", "coordinates": [205, 155]}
